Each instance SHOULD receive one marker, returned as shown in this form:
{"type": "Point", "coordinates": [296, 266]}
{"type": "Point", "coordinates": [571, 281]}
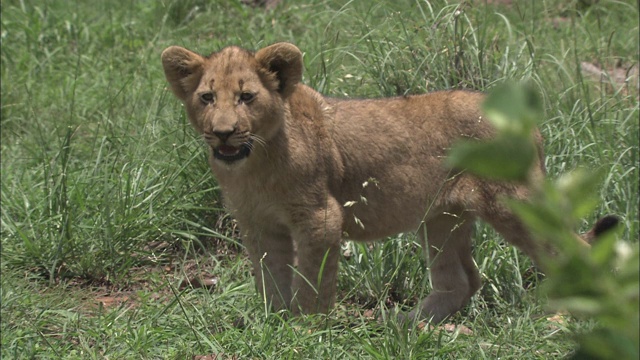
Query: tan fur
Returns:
{"type": "Point", "coordinates": [321, 169]}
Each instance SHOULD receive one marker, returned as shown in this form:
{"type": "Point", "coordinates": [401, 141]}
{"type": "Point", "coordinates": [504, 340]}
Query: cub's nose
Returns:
{"type": "Point", "coordinates": [223, 135]}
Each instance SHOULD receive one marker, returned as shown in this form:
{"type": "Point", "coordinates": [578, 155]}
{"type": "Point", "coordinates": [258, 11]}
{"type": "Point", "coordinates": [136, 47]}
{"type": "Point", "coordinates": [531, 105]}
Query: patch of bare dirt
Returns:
{"type": "Point", "coordinates": [267, 4]}
{"type": "Point", "coordinates": [449, 328]}
{"type": "Point", "coordinates": [617, 77]}
{"type": "Point", "coordinates": [557, 320]}
{"type": "Point", "coordinates": [155, 282]}
{"type": "Point", "coordinates": [498, 2]}
{"type": "Point", "coordinates": [109, 301]}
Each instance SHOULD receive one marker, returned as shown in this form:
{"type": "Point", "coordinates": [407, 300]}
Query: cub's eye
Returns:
{"type": "Point", "coordinates": [207, 97]}
{"type": "Point", "coordinates": [246, 97]}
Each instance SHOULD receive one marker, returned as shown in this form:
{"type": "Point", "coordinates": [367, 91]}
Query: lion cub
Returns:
{"type": "Point", "coordinates": [291, 165]}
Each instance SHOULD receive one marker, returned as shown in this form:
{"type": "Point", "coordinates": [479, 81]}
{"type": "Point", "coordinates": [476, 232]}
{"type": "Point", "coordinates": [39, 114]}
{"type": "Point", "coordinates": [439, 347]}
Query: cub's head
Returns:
{"type": "Point", "coordinates": [234, 97]}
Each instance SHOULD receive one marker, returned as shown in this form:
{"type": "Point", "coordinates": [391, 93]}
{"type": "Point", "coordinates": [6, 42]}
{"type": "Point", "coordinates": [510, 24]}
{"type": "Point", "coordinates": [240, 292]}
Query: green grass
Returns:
{"type": "Point", "coordinates": [106, 193]}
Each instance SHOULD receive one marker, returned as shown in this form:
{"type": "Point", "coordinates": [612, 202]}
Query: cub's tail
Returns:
{"type": "Point", "coordinates": [601, 226]}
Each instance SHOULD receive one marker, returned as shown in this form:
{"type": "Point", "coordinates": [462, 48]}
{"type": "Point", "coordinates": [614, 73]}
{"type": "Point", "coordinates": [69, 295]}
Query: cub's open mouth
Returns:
{"type": "Point", "coordinates": [230, 153]}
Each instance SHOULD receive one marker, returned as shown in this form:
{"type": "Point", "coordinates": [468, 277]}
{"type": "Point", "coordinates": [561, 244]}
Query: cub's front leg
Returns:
{"type": "Point", "coordinates": [317, 235]}
{"type": "Point", "coordinates": [271, 252]}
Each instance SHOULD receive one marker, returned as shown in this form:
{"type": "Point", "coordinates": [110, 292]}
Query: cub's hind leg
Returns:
{"type": "Point", "coordinates": [454, 276]}
{"type": "Point", "coordinates": [491, 207]}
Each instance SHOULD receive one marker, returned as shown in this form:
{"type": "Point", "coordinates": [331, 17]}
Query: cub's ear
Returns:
{"type": "Point", "coordinates": [183, 69]}
{"type": "Point", "coordinates": [284, 60]}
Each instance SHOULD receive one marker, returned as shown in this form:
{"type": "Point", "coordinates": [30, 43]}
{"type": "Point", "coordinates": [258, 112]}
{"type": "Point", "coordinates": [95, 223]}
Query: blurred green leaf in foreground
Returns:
{"type": "Point", "coordinates": [601, 282]}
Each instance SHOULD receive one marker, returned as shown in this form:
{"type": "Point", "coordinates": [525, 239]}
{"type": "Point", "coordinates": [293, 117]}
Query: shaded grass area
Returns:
{"type": "Point", "coordinates": [107, 199]}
